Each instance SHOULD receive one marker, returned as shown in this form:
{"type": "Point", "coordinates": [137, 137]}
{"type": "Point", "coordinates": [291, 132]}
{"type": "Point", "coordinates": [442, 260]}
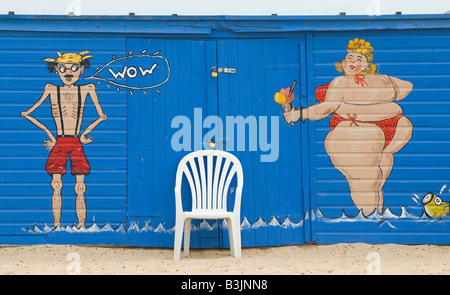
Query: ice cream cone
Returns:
{"type": "Point", "coordinates": [284, 99]}
{"type": "Point", "coordinates": [287, 106]}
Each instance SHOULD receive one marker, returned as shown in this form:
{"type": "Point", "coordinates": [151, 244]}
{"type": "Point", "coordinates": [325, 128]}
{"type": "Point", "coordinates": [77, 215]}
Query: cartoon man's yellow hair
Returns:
{"type": "Point", "coordinates": [69, 58]}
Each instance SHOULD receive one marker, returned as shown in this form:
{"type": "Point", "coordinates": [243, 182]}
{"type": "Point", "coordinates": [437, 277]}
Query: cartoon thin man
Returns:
{"type": "Point", "coordinates": [67, 106]}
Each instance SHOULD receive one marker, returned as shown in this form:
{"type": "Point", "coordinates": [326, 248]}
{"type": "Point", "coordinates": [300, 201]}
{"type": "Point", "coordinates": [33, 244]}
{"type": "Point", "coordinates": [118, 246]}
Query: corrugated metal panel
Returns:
{"type": "Point", "coordinates": [418, 56]}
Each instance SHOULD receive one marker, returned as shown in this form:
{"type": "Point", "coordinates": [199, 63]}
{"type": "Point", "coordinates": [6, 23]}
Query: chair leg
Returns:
{"type": "Point", "coordinates": [236, 233]}
{"type": "Point", "coordinates": [178, 237]}
{"type": "Point", "coordinates": [230, 235]}
{"type": "Point", "coordinates": [187, 236]}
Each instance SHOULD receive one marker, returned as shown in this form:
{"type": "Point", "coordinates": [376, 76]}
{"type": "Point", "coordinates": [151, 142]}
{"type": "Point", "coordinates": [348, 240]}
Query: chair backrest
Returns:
{"type": "Point", "coordinates": [209, 174]}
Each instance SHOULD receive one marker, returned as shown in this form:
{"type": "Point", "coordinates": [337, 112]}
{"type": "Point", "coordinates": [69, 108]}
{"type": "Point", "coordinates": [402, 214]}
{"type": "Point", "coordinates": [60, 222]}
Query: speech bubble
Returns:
{"type": "Point", "coordinates": [136, 72]}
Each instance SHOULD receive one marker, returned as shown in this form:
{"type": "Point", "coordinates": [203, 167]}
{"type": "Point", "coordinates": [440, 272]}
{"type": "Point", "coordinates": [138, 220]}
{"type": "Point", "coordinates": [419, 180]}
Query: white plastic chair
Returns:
{"type": "Point", "coordinates": [209, 190]}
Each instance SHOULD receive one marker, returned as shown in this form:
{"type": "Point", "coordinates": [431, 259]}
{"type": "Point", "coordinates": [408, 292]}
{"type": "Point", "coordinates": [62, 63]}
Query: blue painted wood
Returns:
{"type": "Point", "coordinates": [420, 167]}
{"type": "Point", "coordinates": [26, 191]}
{"type": "Point", "coordinates": [306, 175]}
{"type": "Point", "coordinates": [133, 162]}
{"type": "Point", "coordinates": [190, 92]}
{"type": "Point", "coordinates": [228, 94]}
{"type": "Point", "coordinates": [271, 189]}
{"type": "Point", "coordinates": [392, 238]}
{"type": "Point", "coordinates": [311, 133]}
{"type": "Point", "coordinates": [23, 240]}
{"type": "Point", "coordinates": [203, 25]}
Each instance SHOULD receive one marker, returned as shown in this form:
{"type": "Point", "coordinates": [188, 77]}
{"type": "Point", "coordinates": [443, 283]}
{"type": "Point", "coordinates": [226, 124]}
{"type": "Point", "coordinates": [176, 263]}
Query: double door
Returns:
{"type": "Point", "coordinates": [223, 91]}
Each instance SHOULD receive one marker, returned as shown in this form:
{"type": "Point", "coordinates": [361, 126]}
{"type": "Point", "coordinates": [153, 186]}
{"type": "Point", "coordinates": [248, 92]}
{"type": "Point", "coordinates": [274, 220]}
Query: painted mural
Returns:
{"type": "Point", "coordinates": [67, 109]}
{"type": "Point", "coordinates": [138, 65]}
{"type": "Point", "coordinates": [367, 126]}
{"type": "Point", "coordinates": [434, 206]}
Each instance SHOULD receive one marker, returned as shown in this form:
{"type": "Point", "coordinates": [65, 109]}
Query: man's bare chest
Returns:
{"type": "Point", "coordinates": [67, 103]}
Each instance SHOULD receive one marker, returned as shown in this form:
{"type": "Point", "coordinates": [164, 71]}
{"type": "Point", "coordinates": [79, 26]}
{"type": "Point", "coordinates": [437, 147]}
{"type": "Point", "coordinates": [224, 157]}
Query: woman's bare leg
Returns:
{"type": "Point", "coordinates": [356, 150]}
{"type": "Point", "coordinates": [386, 164]}
{"type": "Point", "coordinates": [402, 136]}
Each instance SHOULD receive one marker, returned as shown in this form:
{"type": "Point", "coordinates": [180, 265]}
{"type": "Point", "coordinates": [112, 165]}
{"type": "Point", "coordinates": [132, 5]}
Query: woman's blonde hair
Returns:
{"type": "Point", "coordinates": [360, 46]}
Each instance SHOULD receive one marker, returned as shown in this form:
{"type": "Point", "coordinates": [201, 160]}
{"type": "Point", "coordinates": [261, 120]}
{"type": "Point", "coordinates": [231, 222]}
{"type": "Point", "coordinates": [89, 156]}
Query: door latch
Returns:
{"type": "Point", "coordinates": [215, 70]}
{"type": "Point", "coordinates": [227, 70]}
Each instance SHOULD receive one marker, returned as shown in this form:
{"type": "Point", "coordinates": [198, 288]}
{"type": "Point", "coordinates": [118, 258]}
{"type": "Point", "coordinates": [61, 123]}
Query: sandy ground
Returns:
{"type": "Point", "coordinates": [342, 259]}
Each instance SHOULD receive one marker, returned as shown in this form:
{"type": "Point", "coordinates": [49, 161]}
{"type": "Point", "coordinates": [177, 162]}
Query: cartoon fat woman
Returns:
{"type": "Point", "coordinates": [367, 126]}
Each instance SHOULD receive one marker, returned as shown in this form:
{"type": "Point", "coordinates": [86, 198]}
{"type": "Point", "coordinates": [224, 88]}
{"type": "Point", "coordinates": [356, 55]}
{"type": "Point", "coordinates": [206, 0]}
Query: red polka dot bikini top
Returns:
{"type": "Point", "coordinates": [388, 126]}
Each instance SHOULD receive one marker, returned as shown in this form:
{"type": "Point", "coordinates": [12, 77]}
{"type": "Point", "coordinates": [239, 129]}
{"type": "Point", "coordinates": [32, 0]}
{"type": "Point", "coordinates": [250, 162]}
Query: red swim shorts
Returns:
{"type": "Point", "coordinates": [67, 147]}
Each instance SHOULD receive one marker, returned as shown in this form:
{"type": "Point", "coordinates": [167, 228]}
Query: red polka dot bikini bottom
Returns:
{"type": "Point", "coordinates": [388, 126]}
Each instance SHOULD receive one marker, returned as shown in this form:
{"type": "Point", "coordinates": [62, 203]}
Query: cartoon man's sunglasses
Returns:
{"type": "Point", "coordinates": [73, 68]}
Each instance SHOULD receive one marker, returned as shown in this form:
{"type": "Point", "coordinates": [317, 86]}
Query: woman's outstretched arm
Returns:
{"type": "Point", "coordinates": [402, 87]}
